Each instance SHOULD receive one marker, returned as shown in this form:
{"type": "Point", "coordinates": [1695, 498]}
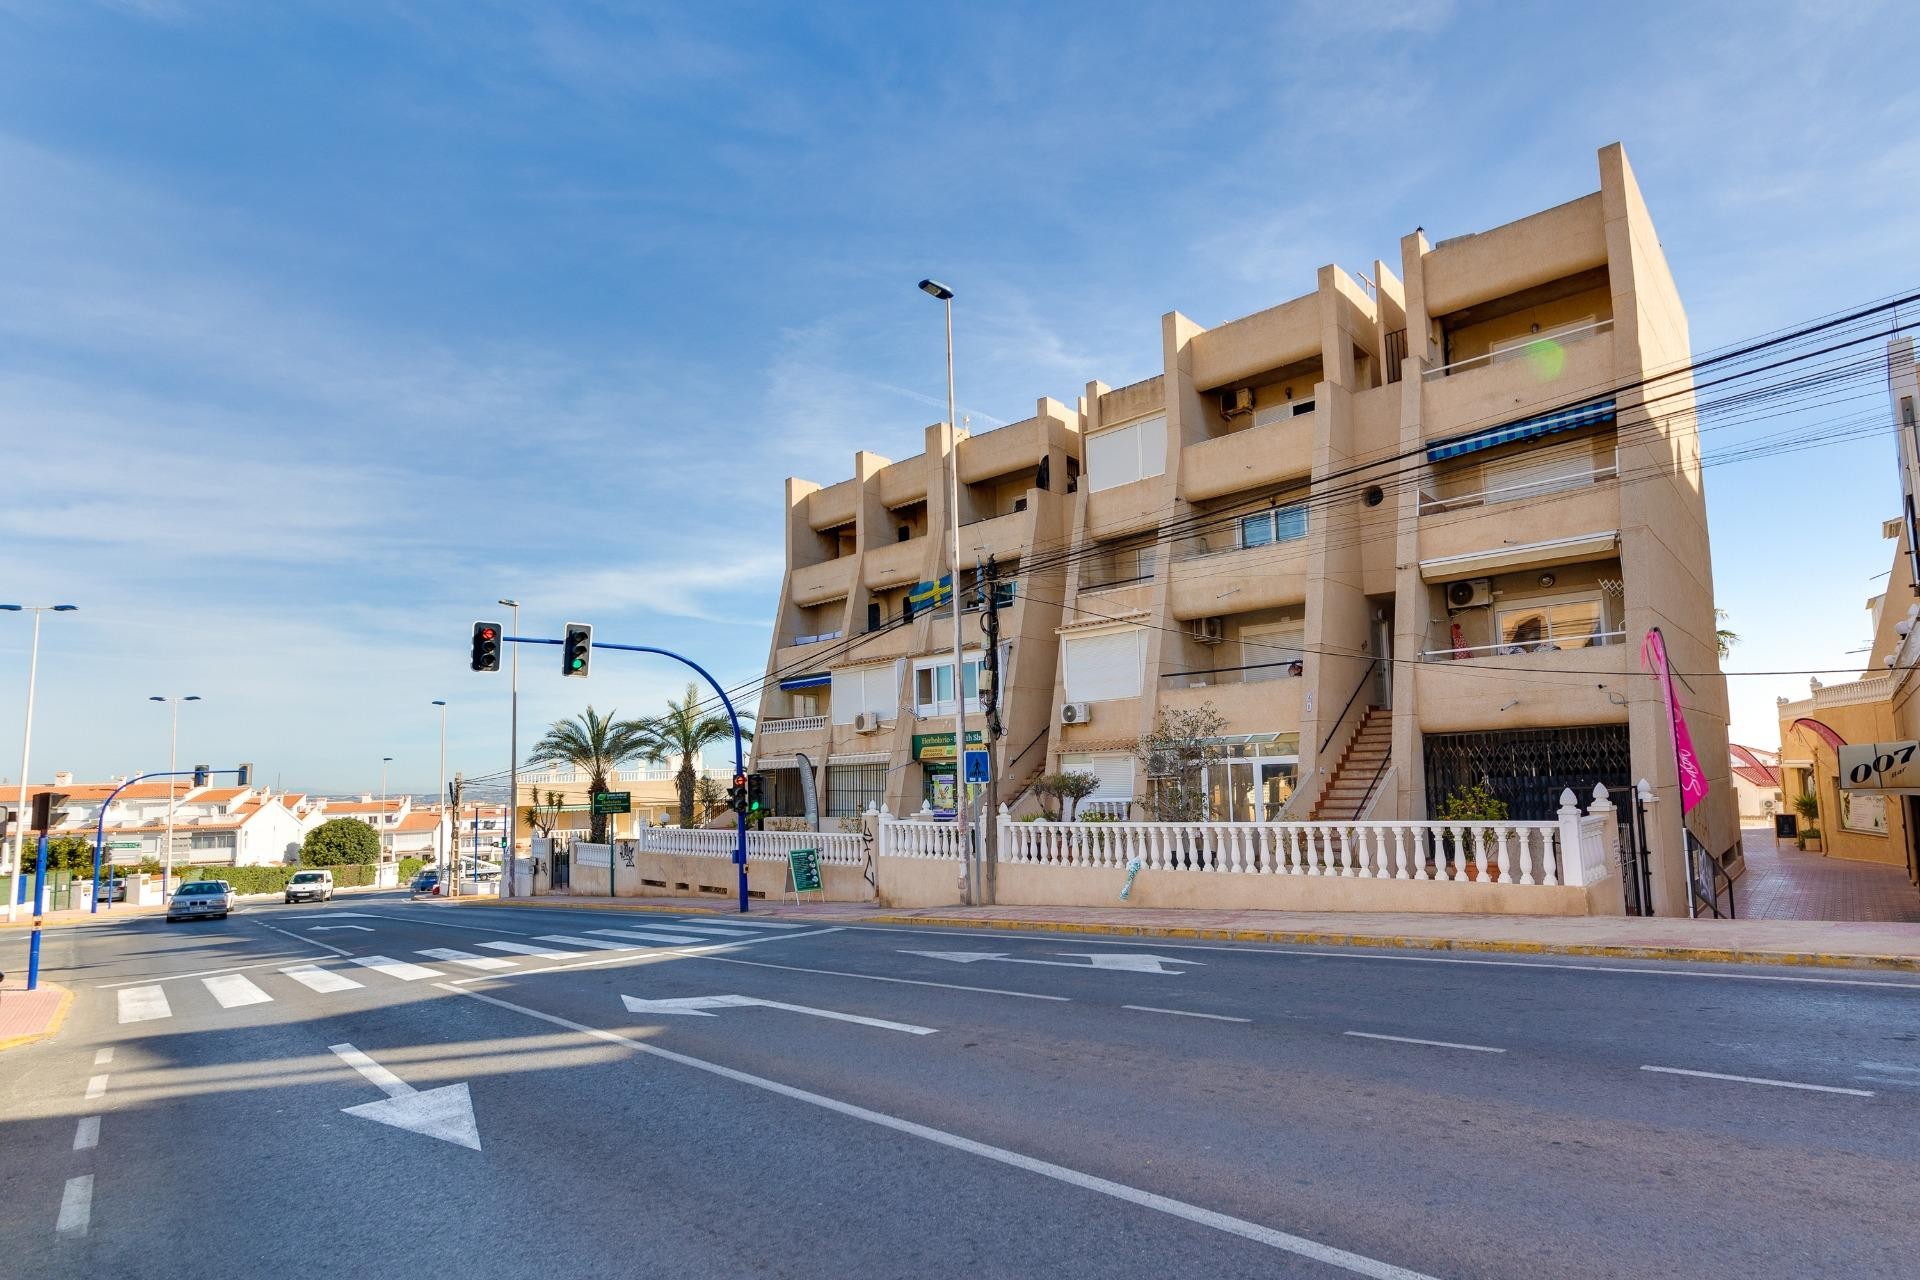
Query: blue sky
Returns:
{"type": "Point", "coordinates": [323, 326]}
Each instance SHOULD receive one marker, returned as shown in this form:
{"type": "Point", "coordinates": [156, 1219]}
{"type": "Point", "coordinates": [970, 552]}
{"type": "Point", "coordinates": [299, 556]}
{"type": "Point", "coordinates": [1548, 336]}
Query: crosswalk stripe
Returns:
{"type": "Point", "coordinates": [666, 939]}
{"type": "Point", "coordinates": [396, 968]}
{"type": "Point", "coordinates": [144, 1004]}
{"type": "Point", "coordinates": [466, 958]}
{"type": "Point", "coordinates": [233, 990]}
{"type": "Point", "coordinates": [522, 949]}
{"type": "Point", "coordinates": [722, 930]}
{"type": "Point", "coordinates": [318, 979]}
{"type": "Point", "coordinates": [572, 941]}
{"type": "Point", "coordinates": [731, 923]}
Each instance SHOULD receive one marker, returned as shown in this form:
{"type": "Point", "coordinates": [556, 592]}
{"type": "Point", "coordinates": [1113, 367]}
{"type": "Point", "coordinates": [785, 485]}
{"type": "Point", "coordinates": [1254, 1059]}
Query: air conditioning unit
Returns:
{"type": "Point", "coordinates": [1471, 593]}
{"type": "Point", "coordinates": [1237, 402]}
{"type": "Point", "coordinates": [1208, 630]}
{"type": "Point", "coordinates": [867, 722]}
{"type": "Point", "coordinates": [1075, 712]}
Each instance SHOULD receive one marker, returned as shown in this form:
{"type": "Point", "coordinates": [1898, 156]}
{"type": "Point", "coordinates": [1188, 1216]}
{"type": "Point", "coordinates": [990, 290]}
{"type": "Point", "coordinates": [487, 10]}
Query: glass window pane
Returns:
{"type": "Point", "coordinates": [1256, 530]}
{"type": "Point", "coordinates": [973, 680]}
{"type": "Point", "coordinates": [1290, 523]}
{"type": "Point", "coordinates": [943, 683]}
{"type": "Point", "coordinates": [1523, 628]}
{"type": "Point", "coordinates": [1572, 625]}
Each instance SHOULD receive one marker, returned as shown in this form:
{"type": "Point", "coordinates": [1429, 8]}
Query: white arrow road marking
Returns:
{"type": "Point", "coordinates": [323, 928]}
{"type": "Point", "coordinates": [445, 1113]}
{"type": "Point", "coordinates": [698, 1006]}
{"type": "Point", "coordinates": [1127, 961]}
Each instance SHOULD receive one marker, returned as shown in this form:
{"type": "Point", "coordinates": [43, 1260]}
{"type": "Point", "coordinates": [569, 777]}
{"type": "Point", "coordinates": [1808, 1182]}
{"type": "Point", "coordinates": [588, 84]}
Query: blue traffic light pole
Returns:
{"type": "Point", "coordinates": [100, 829]}
{"type": "Point", "coordinates": [733, 717]}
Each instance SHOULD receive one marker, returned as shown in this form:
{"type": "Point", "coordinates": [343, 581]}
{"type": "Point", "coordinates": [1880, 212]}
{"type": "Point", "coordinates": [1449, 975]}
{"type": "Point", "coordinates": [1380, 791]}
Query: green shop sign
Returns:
{"type": "Point", "coordinates": [939, 746]}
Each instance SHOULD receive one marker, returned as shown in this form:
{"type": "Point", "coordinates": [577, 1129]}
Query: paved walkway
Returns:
{"type": "Point", "coordinates": [26, 1016]}
{"type": "Point", "coordinates": [1782, 883]}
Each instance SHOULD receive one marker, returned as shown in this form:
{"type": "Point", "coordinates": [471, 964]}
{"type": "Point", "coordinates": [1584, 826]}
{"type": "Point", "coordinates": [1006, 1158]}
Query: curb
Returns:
{"type": "Point", "coordinates": [52, 1028]}
{"type": "Point", "coordinates": [545, 904]}
{"type": "Point", "coordinates": [1707, 955]}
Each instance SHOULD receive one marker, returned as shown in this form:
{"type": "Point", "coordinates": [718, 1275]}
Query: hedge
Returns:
{"type": "Point", "coordinates": [273, 879]}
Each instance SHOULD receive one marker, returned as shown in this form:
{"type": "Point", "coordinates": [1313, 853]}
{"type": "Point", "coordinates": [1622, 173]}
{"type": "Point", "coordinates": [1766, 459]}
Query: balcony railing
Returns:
{"type": "Point", "coordinates": [1519, 350]}
{"type": "Point", "coordinates": [795, 724]}
{"type": "Point", "coordinates": [1506, 649]}
{"type": "Point", "coordinates": [1433, 504]}
{"type": "Point", "coordinates": [1282, 668]}
{"type": "Point", "coordinates": [819, 639]}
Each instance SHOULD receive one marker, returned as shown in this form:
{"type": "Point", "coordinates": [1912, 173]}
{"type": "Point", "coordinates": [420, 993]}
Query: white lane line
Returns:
{"type": "Point", "coordinates": [522, 949]}
{"type": "Point", "coordinates": [465, 958]}
{"type": "Point", "coordinates": [325, 981]}
{"type": "Point", "coordinates": [232, 991]}
{"type": "Point", "coordinates": [144, 1004]}
{"type": "Point", "coordinates": [1778, 1084]}
{"type": "Point", "coordinates": [76, 1206]}
{"type": "Point", "coordinates": [86, 1134]}
{"type": "Point", "coordinates": [1437, 1044]}
{"type": "Point", "coordinates": [200, 973]}
{"type": "Point", "coordinates": [1299, 1246]}
{"type": "Point", "coordinates": [593, 944]}
{"type": "Point", "coordinates": [719, 930]}
{"type": "Point", "coordinates": [729, 922]}
{"type": "Point", "coordinates": [101, 1057]}
{"type": "Point", "coordinates": [96, 1088]}
{"type": "Point", "coordinates": [396, 968]}
{"type": "Point", "coordinates": [671, 939]}
{"type": "Point", "coordinates": [874, 977]}
{"type": "Point", "coordinates": [1184, 1013]}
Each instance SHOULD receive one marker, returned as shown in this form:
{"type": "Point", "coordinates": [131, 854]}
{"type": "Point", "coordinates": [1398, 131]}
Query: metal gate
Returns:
{"type": "Point", "coordinates": [561, 874]}
{"type": "Point", "coordinates": [1636, 870]}
{"type": "Point", "coordinates": [1529, 768]}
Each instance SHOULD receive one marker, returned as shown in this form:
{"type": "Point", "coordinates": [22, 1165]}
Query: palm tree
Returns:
{"type": "Point", "coordinates": [595, 745]}
{"type": "Point", "coordinates": [1723, 638]}
{"type": "Point", "coordinates": [684, 733]}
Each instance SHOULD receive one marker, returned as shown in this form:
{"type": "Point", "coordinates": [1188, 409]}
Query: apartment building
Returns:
{"type": "Point", "coordinates": [1403, 534]}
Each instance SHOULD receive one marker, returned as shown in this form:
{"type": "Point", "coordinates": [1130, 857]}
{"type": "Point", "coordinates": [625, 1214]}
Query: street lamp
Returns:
{"type": "Point", "coordinates": [26, 745]}
{"type": "Point", "coordinates": [439, 838]}
{"type": "Point", "coordinates": [513, 768]}
{"type": "Point", "coordinates": [934, 289]}
{"type": "Point", "coordinates": [173, 742]}
{"type": "Point", "coordinates": [381, 826]}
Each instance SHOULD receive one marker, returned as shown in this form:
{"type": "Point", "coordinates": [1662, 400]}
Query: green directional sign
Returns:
{"type": "Point", "coordinates": [605, 802]}
{"type": "Point", "coordinates": [806, 870]}
{"type": "Point", "coordinates": [123, 844]}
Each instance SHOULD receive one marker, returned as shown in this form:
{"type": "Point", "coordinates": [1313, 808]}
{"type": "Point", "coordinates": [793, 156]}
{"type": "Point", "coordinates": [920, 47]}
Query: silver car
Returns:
{"type": "Point", "coordinates": [199, 898]}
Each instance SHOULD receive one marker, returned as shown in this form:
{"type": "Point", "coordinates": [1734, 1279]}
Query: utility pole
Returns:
{"type": "Point", "coordinates": [990, 704]}
{"type": "Point", "coordinates": [513, 767]}
{"type": "Point", "coordinates": [453, 830]}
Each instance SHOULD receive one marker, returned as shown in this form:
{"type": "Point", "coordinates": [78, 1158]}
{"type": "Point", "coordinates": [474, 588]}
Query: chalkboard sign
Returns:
{"type": "Point", "coordinates": [805, 864]}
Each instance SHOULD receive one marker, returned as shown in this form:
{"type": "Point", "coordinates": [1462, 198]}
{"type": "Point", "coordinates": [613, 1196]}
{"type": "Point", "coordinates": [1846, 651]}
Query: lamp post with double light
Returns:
{"type": "Point", "coordinates": [26, 746]}
{"type": "Point", "coordinates": [513, 769]}
{"type": "Point", "coordinates": [173, 765]}
{"type": "Point", "coordinates": [439, 832]}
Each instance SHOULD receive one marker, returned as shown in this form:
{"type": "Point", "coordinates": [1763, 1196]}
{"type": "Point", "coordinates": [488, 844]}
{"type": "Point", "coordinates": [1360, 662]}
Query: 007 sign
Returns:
{"type": "Point", "coordinates": [1880, 766]}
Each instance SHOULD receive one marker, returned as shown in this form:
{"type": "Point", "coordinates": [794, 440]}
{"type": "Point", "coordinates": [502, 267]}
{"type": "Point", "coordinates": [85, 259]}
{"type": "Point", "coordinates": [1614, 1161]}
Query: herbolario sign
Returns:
{"type": "Point", "coordinates": [1881, 766]}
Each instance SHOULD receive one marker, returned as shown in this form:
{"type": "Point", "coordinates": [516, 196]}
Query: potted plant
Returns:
{"type": "Point", "coordinates": [1807, 805]}
{"type": "Point", "coordinates": [1475, 803]}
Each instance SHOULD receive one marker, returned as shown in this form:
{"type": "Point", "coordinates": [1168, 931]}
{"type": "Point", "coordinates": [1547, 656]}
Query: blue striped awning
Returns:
{"type": "Point", "coordinates": [1546, 424]}
{"type": "Point", "coordinates": [807, 682]}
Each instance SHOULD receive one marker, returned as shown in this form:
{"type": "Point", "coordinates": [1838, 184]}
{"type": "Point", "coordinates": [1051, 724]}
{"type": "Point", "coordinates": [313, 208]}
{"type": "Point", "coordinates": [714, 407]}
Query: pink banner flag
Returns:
{"type": "Point", "coordinates": [1693, 782]}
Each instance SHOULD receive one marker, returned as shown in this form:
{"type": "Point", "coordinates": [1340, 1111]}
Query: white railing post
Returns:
{"type": "Point", "coordinates": [1602, 807]}
{"type": "Point", "coordinates": [1570, 859]}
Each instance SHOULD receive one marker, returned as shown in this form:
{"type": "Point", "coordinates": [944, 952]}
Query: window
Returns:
{"type": "Point", "coordinates": [1106, 665]}
{"type": "Point", "coordinates": [933, 684]}
{"type": "Point", "coordinates": [1276, 524]}
{"type": "Point", "coordinates": [210, 840]}
{"type": "Point", "coordinates": [1272, 652]}
{"type": "Point", "coordinates": [804, 704]}
{"type": "Point", "coordinates": [1126, 454]}
{"type": "Point", "coordinates": [857, 689]}
{"type": "Point", "coordinates": [1114, 770]}
{"type": "Point", "coordinates": [1267, 415]}
{"type": "Point", "coordinates": [1513, 348]}
{"type": "Point", "coordinates": [853, 787]}
{"type": "Point", "coordinates": [1543, 470]}
{"type": "Point", "coordinates": [1116, 566]}
{"type": "Point", "coordinates": [1560, 624]}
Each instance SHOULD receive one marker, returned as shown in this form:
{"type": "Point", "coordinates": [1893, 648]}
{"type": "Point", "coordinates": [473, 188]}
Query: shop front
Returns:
{"type": "Point", "coordinates": [940, 768]}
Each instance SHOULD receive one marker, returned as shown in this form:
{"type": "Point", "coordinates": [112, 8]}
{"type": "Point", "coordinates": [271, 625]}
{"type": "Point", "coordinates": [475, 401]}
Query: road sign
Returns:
{"type": "Point", "coordinates": [606, 802]}
{"type": "Point", "coordinates": [805, 864]}
{"type": "Point", "coordinates": [123, 844]}
{"type": "Point", "coordinates": [976, 767]}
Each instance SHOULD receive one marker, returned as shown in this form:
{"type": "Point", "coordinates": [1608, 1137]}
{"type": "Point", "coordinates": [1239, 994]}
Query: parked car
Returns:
{"type": "Point", "coordinates": [115, 890]}
{"type": "Point", "coordinates": [317, 885]}
{"type": "Point", "coordinates": [232, 897]}
{"type": "Point", "coordinates": [425, 882]}
{"type": "Point", "coordinates": [199, 898]}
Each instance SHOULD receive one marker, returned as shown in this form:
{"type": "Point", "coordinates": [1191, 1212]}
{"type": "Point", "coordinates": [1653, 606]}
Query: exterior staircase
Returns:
{"type": "Point", "coordinates": [1360, 766]}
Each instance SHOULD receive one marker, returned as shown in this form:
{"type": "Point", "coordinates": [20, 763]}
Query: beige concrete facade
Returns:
{"type": "Point", "coordinates": [1272, 523]}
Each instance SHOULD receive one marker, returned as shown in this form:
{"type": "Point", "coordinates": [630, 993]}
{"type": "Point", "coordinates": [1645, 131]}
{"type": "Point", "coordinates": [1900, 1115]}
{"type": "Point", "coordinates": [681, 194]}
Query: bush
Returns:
{"type": "Point", "coordinates": [1476, 803]}
{"type": "Point", "coordinates": [340, 842]}
{"type": "Point", "coordinates": [410, 867]}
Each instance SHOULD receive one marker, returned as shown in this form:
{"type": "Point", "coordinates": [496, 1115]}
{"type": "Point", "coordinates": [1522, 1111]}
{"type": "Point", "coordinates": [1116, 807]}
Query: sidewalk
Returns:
{"type": "Point", "coordinates": [27, 1016]}
{"type": "Point", "coordinates": [1788, 942]}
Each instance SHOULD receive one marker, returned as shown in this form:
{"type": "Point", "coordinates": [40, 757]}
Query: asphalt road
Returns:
{"type": "Point", "coordinates": [377, 1087]}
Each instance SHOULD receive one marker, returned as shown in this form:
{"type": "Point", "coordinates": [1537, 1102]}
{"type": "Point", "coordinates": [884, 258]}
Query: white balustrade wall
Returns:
{"type": "Point", "coordinates": [762, 846]}
{"type": "Point", "coordinates": [923, 836]}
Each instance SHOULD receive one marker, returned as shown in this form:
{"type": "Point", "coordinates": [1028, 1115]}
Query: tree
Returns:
{"type": "Point", "coordinates": [1724, 639]}
{"type": "Point", "coordinates": [1068, 789]}
{"type": "Point", "coordinates": [684, 732]}
{"type": "Point", "coordinates": [543, 816]}
{"type": "Point", "coordinates": [595, 745]}
{"type": "Point", "coordinates": [1182, 743]}
{"type": "Point", "coordinates": [339, 842]}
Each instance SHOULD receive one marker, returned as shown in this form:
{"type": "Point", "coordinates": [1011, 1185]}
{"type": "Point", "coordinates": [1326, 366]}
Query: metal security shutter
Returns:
{"type": "Point", "coordinates": [1114, 770]}
{"type": "Point", "coordinates": [1105, 666]}
{"type": "Point", "coordinates": [860, 689]}
{"type": "Point", "coordinates": [1126, 454]}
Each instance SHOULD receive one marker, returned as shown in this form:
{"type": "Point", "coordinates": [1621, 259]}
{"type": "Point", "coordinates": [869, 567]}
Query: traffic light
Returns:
{"type": "Point", "coordinates": [246, 775]}
{"type": "Point", "coordinates": [486, 646]}
{"type": "Point", "coordinates": [737, 793]}
{"type": "Point", "coordinates": [576, 649]}
{"type": "Point", "coordinates": [756, 795]}
{"type": "Point", "coordinates": [200, 772]}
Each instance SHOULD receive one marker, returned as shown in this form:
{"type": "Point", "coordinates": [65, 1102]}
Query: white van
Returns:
{"type": "Point", "coordinates": [310, 884]}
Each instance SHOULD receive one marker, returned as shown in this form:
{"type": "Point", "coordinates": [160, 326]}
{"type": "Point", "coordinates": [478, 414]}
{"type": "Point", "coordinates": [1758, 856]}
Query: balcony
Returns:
{"type": "Point", "coordinates": [794, 724]}
{"type": "Point", "coordinates": [1004, 537]}
{"type": "Point", "coordinates": [834, 505]}
{"type": "Point", "coordinates": [818, 583]}
{"type": "Point", "coordinates": [897, 564]}
{"type": "Point", "coordinates": [1469, 694]}
{"type": "Point", "coordinates": [1503, 525]}
{"type": "Point", "coordinates": [1248, 459]}
{"type": "Point", "coordinates": [1502, 384]}
{"type": "Point", "coordinates": [1250, 706]}
{"type": "Point", "coordinates": [1581, 644]}
{"type": "Point", "coordinates": [1239, 580]}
